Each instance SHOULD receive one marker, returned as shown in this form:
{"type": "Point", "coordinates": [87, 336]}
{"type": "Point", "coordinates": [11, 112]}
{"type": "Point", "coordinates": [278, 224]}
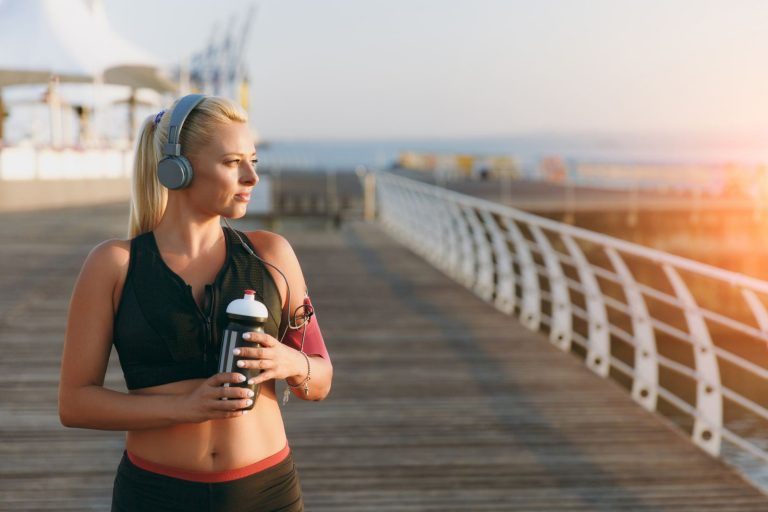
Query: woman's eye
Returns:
{"type": "Point", "coordinates": [254, 162]}
{"type": "Point", "coordinates": [232, 163]}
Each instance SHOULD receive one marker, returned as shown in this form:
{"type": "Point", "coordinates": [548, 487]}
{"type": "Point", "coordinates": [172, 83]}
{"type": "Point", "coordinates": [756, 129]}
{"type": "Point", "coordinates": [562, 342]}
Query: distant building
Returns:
{"type": "Point", "coordinates": [454, 166]}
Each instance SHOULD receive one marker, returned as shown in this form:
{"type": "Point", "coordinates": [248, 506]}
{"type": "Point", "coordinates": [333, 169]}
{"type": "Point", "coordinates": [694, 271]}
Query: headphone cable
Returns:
{"type": "Point", "coordinates": [307, 315]}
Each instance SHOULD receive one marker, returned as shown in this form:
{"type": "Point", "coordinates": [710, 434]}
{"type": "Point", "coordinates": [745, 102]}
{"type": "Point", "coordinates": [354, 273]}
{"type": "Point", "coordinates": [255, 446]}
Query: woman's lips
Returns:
{"type": "Point", "coordinates": [243, 197]}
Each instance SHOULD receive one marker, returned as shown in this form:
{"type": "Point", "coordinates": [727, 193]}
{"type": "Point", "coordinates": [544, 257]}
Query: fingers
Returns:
{"type": "Point", "coordinates": [260, 338]}
{"type": "Point", "coordinates": [214, 399]}
{"type": "Point", "coordinates": [266, 355]}
{"type": "Point", "coordinates": [260, 353]}
{"type": "Point", "coordinates": [263, 377]}
{"type": "Point", "coordinates": [232, 405]}
{"type": "Point", "coordinates": [225, 378]}
{"type": "Point", "coordinates": [264, 363]}
{"type": "Point", "coordinates": [256, 364]}
{"type": "Point", "coordinates": [231, 399]}
{"type": "Point", "coordinates": [253, 353]}
{"type": "Point", "coordinates": [232, 393]}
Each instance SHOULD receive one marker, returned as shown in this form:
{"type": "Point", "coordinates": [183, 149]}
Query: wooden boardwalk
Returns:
{"type": "Point", "coordinates": [439, 403]}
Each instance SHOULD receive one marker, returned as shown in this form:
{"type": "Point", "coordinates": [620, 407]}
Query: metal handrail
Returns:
{"type": "Point", "coordinates": [662, 297]}
{"type": "Point", "coordinates": [502, 254]}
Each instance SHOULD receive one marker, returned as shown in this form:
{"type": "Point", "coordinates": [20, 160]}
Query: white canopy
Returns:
{"type": "Point", "coordinates": [73, 40]}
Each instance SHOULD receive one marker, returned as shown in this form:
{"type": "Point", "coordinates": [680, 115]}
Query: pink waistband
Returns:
{"type": "Point", "coordinates": [212, 476]}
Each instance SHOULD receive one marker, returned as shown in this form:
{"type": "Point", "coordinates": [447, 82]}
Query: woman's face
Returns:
{"type": "Point", "coordinates": [224, 172]}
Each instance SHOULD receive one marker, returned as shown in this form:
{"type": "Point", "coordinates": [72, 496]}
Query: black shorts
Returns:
{"type": "Point", "coordinates": [276, 488]}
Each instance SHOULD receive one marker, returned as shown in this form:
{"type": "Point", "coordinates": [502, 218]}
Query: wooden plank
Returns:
{"type": "Point", "coordinates": [439, 401]}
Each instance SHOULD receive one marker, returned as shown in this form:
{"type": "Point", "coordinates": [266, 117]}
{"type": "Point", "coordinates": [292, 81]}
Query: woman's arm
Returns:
{"type": "Point", "coordinates": [281, 361]}
{"type": "Point", "coordinates": [83, 400]}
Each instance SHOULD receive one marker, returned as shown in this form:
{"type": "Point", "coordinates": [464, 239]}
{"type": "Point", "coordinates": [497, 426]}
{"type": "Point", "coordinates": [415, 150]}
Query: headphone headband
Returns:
{"type": "Point", "coordinates": [181, 111]}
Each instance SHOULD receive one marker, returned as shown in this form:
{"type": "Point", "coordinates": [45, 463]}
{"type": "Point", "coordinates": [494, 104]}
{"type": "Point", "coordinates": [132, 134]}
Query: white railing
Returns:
{"type": "Point", "coordinates": [679, 333]}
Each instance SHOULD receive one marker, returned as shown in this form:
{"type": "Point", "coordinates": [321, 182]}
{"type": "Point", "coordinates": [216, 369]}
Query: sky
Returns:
{"type": "Point", "coordinates": [450, 68]}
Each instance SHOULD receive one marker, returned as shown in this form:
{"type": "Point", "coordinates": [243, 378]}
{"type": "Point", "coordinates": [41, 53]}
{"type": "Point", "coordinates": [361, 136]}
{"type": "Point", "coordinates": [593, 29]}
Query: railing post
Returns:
{"type": "Point", "coordinates": [409, 212]}
{"type": "Point", "coordinates": [484, 260]}
{"type": "Point", "coordinates": [530, 311]}
{"type": "Point", "coordinates": [599, 351]}
{"type": "Point", "coordinates": [369, 196]}
{"type": "Point", "coordinates": [332, 203]}
{"type": "Point", "coordinates": [561, 330]}
{"type": "Point", "coordinates": [645, 386]}
{"type": "Point", "coordinates": [430, 224]}
{"type": "Point", "coordinates": [709, 401]}
{"type": "Point", "coordinates": [381, 191]}
{"type": "Point", "coordinates": [505, 276]}
{"type": "Point", "coordinates": [423, 217]}
{"type": "Point", "coordinates": [466, 274]}
{"type": "Point", "coordinates": [757, 308]}
{"type": "Point", "coordinates": [451, 256]}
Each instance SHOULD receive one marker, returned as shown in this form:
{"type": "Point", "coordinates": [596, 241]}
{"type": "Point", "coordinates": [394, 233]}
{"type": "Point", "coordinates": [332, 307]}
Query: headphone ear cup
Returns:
{"type": "Point", "coordinates": [174, 172]}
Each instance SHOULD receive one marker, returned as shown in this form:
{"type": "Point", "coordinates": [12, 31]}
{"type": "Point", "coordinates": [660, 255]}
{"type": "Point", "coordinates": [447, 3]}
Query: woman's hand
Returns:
{"type": "Point", "coordinates": [205, 401]}
{"type": "Point", "coordinates": [275, 360]}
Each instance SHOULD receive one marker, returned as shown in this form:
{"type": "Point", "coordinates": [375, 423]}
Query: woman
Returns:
{"type": "Point", "coordinates": [160, 298]}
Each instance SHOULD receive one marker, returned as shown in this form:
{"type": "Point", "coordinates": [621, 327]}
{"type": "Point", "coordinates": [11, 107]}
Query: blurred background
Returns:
{"type": "Point", "coordinates": [621, 81]}
{"type": "Point", "coordinates": [655, 112]}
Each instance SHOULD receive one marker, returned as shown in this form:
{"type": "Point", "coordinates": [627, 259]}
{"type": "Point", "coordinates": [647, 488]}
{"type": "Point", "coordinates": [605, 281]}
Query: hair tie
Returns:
{"type": "Point", "coordinates": [159, 116]}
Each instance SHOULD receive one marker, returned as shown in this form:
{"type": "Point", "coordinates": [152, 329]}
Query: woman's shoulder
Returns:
{"type": "Point", "coordinates": [267, 242]}
{"type": "Point", "coordinates": [114, 248]}
{"type": "Point", "coordinates": [105, 269]}
{"type": "Point", "coordinates": [109, 255]}
{"type": "Point", "coordinates": [277, 250]}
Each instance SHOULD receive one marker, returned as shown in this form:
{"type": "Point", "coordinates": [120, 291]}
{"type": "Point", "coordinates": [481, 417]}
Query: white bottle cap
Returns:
{"type": "Point", "coordinates": [248, 306]}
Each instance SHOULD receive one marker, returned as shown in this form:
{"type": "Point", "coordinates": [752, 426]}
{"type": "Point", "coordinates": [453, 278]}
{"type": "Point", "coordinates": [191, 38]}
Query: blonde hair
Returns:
{"type": "Point", "coordinates": [148, 196]}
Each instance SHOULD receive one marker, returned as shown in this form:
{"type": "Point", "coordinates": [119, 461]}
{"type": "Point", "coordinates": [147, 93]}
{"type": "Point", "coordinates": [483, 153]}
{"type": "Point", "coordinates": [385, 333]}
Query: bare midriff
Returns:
{"type": "Point", "coordinates": [214, 445]}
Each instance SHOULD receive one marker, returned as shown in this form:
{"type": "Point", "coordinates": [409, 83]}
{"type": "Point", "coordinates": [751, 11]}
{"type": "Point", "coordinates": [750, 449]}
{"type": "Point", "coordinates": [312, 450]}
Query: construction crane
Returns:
{"type": "Point", "coordinates": [221, 68]}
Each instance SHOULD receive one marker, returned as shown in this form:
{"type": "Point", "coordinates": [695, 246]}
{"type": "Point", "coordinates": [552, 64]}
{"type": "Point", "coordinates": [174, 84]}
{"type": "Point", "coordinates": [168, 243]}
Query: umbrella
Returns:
{"type": "Point", "coordinates": [72, 40]}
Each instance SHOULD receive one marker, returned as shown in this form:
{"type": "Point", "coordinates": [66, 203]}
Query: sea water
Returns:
{"type": "Point", "coordinates": [528, 150]}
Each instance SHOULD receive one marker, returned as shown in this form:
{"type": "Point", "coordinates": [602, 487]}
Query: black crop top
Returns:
{"type": "Point", "coordinates": [161, 334]}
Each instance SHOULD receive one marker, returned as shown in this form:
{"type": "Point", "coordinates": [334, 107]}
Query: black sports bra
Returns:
{"type": "Point", "coordinates": [161, 334]}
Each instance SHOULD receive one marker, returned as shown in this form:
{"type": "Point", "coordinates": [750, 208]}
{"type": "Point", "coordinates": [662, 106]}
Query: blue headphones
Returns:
{"type": "Point", "coordinates": [173, 170]}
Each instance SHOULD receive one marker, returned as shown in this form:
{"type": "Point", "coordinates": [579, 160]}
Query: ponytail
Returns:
{"type": "Point", "coordinates": [148, 196]}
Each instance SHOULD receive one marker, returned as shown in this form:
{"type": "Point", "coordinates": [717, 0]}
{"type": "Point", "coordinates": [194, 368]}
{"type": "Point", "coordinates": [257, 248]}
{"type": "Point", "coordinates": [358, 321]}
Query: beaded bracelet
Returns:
{"type": "Point", "coordinates": [303, 384]}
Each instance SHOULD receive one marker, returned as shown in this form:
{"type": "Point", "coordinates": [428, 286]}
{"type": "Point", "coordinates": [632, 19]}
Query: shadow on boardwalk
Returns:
{"type": "Point", "coordinates": [439, 401]}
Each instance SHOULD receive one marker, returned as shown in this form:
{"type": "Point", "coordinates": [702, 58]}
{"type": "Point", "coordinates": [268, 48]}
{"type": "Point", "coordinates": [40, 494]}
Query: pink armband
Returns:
{"type": "Point", "coordinates": [313, 339]}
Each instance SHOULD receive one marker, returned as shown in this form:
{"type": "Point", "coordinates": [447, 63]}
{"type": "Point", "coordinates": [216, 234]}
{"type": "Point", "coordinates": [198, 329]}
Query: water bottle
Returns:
{"type": "Point", "coordinates": [245, 315]}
